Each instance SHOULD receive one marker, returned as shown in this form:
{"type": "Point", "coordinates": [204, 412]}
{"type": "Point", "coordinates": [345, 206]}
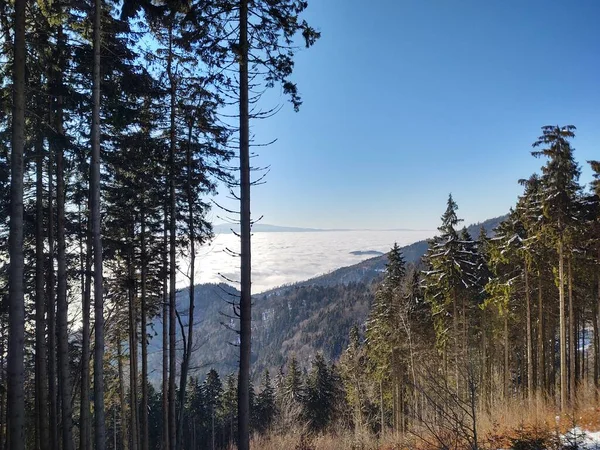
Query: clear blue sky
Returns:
{"type": "Point", "coordinates": [406, 101]}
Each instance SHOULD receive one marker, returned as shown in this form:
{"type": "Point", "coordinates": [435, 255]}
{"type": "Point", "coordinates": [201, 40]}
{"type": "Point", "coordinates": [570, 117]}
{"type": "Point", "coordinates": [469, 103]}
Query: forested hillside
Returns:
{"type": "Point", "coordinates": [301, 319]}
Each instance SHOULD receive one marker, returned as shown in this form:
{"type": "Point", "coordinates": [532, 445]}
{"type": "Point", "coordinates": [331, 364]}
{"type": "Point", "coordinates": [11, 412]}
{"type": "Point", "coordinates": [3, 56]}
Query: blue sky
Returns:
{"type": "Point", "coordinates": [407, 101]}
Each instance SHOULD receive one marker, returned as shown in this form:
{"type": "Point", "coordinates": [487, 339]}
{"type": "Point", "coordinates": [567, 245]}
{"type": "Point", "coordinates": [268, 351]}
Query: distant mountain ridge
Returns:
{"type": "Point", "coordinates": [268, 228]}
{"type": "Point", "coordinates": [300, 318]}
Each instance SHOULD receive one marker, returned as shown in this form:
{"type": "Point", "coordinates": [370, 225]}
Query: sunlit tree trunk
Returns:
{"type": "Point", "coordinates": [572, 337]}
{"type": "Point", "coordinates": [530, 379]}
{"type": "Point", "coordinates": [562, 328]}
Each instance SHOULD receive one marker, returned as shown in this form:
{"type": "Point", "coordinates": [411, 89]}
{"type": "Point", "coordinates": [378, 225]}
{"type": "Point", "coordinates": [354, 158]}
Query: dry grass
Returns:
{"type": "Point", "coordinates": [515, 420]}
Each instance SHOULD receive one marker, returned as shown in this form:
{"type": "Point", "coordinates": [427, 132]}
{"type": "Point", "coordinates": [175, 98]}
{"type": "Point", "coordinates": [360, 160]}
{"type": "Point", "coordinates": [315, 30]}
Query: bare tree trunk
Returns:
{"type": "Point", "coordinates": [596, 333]}
{"type": "Point", "coordinates": [246, 258]}
{"type": "Point", "coordinates": [51, 307]}
{"type": "Point", "coordinates": [41, 374]}
{"type": "Point", "coordinates": [596, 341]}
{"type": "Point", "coordinates": [3, 389]}
{"type": "Point", "coordinates": [65, 384]}
{"type": "Point", "coordinates": [572, 337]}
{"type": "Point", "coordinates": [540, 339]}
{"type": "Point", "coordinates": [562, 328]}
{"type": "Point", "coordinates": [84, 414]}
{"type": "Point", "coordinates": [99, 419]}
{"type": "Point", "coordinates": [133, 372]}
{"type": "Point", "coordinates": [456, 346]}
{"type": "Point", "coordinates": [187, 352]}
{"type": "Point", "coordinates": [165, 338]}
{"type": "Point", "coordinates": [16, 297]}
{"type": "Point", "coordinates": [529, 337]}
{"type": "Point", "coordinates": [172, 245]}
{"type": "Point", "coordinates": [506, 371]}
{"type": "Point", "coordinates": [381, 406]}
{"type": "Point", "coordinates": [144, 337]}
{"type": "Point", "coordinates": [123, 405]}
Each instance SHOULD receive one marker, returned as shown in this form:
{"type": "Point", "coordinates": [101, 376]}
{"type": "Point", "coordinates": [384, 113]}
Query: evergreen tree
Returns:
{"type": "Point", "coordinates": [560, 182]}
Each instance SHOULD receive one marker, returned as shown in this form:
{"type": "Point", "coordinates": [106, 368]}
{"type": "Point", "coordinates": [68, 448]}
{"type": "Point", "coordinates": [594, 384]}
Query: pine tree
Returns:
{"type": "Point", "coordinates": [559, 180]}
{"type": "Point", "coordinates": [265, 405]}
{"type": "Point", "coordinates": [443, 279]}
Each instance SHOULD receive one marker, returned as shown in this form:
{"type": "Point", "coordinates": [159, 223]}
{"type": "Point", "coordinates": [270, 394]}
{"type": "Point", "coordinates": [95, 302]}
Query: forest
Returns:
{"type": "Point", "coordinates": [118, 123]}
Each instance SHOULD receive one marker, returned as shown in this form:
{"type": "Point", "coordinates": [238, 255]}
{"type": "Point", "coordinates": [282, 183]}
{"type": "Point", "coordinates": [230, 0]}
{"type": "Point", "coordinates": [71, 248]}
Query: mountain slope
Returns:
{"type": "Point", "coordinates": [303, 318]}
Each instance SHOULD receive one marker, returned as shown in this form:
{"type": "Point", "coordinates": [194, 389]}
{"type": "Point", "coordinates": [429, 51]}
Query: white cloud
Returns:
{"type": "Point", "coordinates": [281, 258]}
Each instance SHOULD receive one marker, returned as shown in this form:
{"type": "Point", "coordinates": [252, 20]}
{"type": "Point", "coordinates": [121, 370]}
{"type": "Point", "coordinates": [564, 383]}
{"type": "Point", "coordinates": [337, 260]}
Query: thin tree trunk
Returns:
{"type": "Point", "coordinates": [572, 337]}
{"type": "Point", "coordinates": [562, 328]}
{"type": "Point", "coordinates": [144, 334]}
{"type": "Point", "coordinates": [245, 222]}
{"type": "Point", "coordinates": [165, 337]}
{"type": "Point", "coordinates": [172, 247]}
{"type": "Point", "coordinates": [16, 297]}
{"type": "Point", "coordinates": [133, 372]}
{"type": "Point", "coordinates": [65, 384]}
{"type": "Point", "coordinates": [99, 419]}
{"type": "Point", "coordinates": [84, 414]}
{"type": "Point", "coordinates": [187, 352]}
{"type": "Point", "coordinates": [123, 405]}
{"type": "Point", "coordinates": [596, 335]}
{"type": "Point", "coordinates": [455, 330]}
{"type": "Point", "coordinates": [3, 389]}
{"type": "Point", "coordinates": [381, 406]}
{"type": "Point", "coordinates": [506, 371]}
{"type": "Point", "coordinates": [51, 307]}
{"type": "Point", "coordinates": [596, 341]}
{"type": "Point", "coordinates": [540, 339]}
{"type": "Point", "coordinates": [41, 374]}
{"type": "Point", "coordinates": [529, 337]}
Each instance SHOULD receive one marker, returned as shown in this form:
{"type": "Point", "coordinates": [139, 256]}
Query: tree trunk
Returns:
{"type": "Point", "coordinates": [84, 414]}
{"type": "Point", "coordinates": [172, 247]}
{"type": "Point", "coordinates": [144, 333]}
{"type": "Point", "coordinates": [529, 337]}
{"type": "Point", "coordinates": [187, 352]}
{"type": "Point", "coordinates": [16, 297]}
{"type": "Point", "coordinates": [133, 372]}
{"type": "Point", "coordinates": [506, 371]}
{"type": "Point", "coordinates": [562, 328]}
{"type": "Point", "coordinates": [99, 419]}
{"type": "Point", "coordinates": [51, 307]}
{"type": "Point", "coordinates": [41, 375]}
{"type": "Point", "coordinates": [123, 405]}
{"type": "Point", "coordinates": [65, 385]}
{"type": "Point", "coordinates": [381, 406]}
{"type": "Point", "coordinates": [596, 333]}
{"type": "Point", "coordinates": [572, 337]}
{"type": "Point", "coordinates": [245, 222]}
{"type": "Point", "coordinates": [596, 340]}
{"type": "Point", "coordinates": [456, 345]}
{"type": "Point", "coordinates": [165, 337]}
{"type": "Point", "coordinates": [540, 339]}
{"type": "Point", "coordinates": [3, 389]}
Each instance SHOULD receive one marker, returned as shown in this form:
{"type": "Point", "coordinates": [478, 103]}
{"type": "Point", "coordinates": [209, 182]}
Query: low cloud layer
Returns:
{"type": "Point", "coordinates": [283, 258]}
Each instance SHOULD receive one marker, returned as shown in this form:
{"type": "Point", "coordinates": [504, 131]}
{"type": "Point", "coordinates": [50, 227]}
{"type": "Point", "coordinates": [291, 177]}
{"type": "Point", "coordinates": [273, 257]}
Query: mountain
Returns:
{"type": "Point", "coordinates": [301, 319]}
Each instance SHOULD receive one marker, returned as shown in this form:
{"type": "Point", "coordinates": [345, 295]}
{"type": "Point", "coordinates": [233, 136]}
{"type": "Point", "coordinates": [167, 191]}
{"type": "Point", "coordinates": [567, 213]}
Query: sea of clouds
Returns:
{"type": "Point", "coordinates": [282, 258]}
